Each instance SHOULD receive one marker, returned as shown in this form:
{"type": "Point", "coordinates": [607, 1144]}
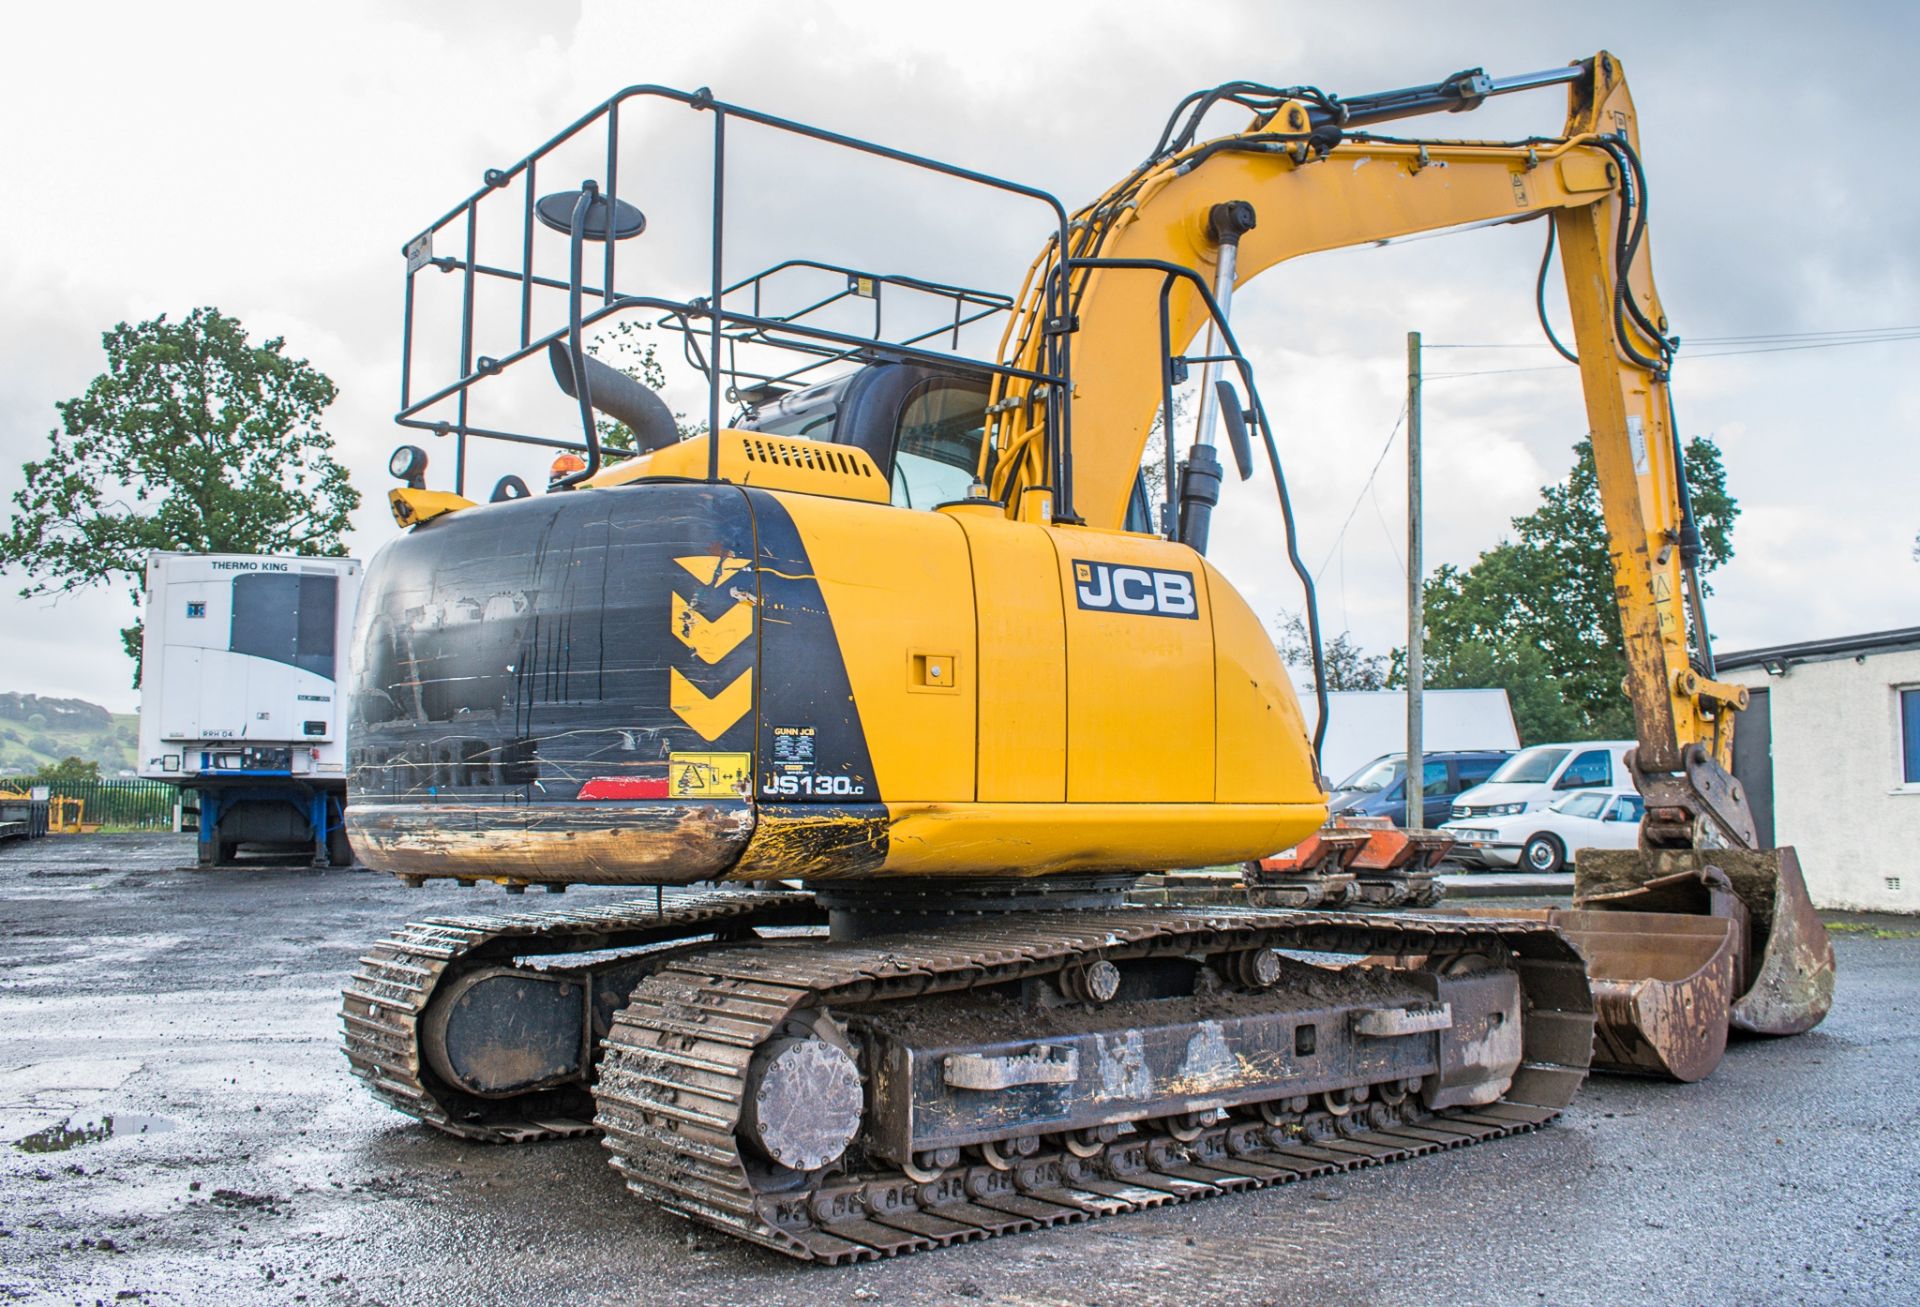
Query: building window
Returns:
{"type": "Point", "coordinates": [1910, 737]}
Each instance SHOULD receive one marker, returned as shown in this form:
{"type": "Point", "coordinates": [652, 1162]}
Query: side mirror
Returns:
{"type": "Point", "coordinates": [1235, 418]}
{"type": "Point", "coordinates": [605, 219]}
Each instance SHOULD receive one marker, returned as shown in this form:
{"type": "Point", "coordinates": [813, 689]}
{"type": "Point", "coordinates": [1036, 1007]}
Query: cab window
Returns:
{"type": "Point", "coordinates": [1628, 807]}
{"type": "Point", "coordinates": [1584, 805]}
{"type": "Point", "coordinates": [941, 428]}
{"type": "Point", "coordinates": [810, 414]}
{"type": "Point", "coordinates": [1594, 767]}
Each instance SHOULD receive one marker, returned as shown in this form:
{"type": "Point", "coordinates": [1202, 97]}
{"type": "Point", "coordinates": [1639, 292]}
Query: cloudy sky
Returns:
{"type": "Point", "coordinates": [271, 160]}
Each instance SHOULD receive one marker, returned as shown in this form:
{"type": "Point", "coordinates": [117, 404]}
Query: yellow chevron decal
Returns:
{"type": "Point", "coordinates": [710, 718]}
{"type": "Point", "coordinates": [709, 570]}
{"type": "Point", "coordinates": [712, 640]}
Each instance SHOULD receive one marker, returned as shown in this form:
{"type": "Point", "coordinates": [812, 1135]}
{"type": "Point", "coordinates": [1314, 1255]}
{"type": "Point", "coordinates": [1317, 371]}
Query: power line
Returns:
{"type": "Point", "coordinates": [1685, 358]}
{"type": "Point", "coordinates": [1783, 342]}
{"type": "Point", "coordinates": [1387, 533]}
{"type": "Point", "coordinates": [1863, 334]}
{"type": "Point", "coordinates": [1318, 572]}
{"type": "Point", "coordinates": [1826, 344]}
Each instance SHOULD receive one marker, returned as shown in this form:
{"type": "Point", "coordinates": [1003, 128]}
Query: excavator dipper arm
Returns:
{"type": "Point", "coordinates": [1311, 188]}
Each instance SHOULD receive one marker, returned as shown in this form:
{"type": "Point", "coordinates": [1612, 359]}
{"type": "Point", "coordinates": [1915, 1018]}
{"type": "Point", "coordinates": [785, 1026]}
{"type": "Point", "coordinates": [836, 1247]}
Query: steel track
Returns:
{"type": "Point", "coordinates": [382, 1005]}
{"type": "Point", "coordinates": [676, 1068]}
{"type": "Point", "coordinates": [675, 1065]}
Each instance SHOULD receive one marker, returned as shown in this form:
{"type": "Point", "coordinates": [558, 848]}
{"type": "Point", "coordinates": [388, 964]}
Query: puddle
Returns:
{"type": "Point", "coordinates": [59, 1138]}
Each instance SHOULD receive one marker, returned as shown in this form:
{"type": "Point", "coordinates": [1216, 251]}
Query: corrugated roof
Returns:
{"type": "Point", "coordinates": [1807, 651]}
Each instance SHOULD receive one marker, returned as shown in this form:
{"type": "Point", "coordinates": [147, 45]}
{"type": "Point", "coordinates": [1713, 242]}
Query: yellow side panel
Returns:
{"type": "Point", "coordinates": [1022, 660]}
{"type": "Point", "coordinates": [899, 587]}
{"type": "Point", "coordinates": [1262, 750]}
{"type": "Point", "coordinates": [1052, 838]}
{"type": "Point", "coordinates": [1140, 709]}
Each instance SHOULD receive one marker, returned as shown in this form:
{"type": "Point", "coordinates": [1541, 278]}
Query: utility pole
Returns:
{"type": "Point", "coordinates": [1416, 603]}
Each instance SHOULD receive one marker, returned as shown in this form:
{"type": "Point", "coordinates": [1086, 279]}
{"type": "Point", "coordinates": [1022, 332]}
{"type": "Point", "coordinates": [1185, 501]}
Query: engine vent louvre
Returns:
{"type": "Point", "coordinates": [810, 455]}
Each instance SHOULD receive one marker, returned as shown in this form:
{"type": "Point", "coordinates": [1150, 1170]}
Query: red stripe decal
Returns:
{"type": "Point", "coordinates": [625, 787]}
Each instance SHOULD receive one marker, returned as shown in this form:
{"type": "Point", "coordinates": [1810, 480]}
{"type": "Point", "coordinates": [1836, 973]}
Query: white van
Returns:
{"type": "Point", "coordinates": [1536, 776]}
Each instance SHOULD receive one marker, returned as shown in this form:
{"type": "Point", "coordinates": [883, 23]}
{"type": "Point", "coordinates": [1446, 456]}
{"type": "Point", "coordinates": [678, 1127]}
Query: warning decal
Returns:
{"type": "Point", "coordinates": [709, 775]}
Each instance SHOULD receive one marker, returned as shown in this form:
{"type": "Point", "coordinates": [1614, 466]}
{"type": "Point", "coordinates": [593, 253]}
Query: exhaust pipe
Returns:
{"type": "Point", "coordinates": [619, 396]}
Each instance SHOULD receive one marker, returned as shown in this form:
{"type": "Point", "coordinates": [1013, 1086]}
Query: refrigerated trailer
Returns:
{"type": "Point", "coordinates": [240, 701]}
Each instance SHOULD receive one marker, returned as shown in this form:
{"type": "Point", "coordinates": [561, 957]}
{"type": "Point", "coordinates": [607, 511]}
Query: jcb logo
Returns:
{"type": "Point", "coordinates": [1110, 588]}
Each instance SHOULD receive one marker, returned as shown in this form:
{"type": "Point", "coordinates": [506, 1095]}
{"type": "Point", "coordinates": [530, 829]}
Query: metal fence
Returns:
{"type": "Point", "coordinates": [132, 804]}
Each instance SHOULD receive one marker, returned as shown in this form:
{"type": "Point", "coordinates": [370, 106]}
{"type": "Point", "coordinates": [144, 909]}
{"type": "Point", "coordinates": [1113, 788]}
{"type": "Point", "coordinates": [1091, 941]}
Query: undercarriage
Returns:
{"type": "Point", "coordinates": [801, 1077]}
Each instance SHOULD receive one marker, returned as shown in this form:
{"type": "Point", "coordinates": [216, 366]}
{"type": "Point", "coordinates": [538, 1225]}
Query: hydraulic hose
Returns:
{"type": "Point", "coordinates": [1633, 228]}
{"type": "Point", "coordinates": [1691, 547]}
{"type": "Point", "coordinates": [1300, 570]}
{"type": "Point", "coordinates": [1540, 298]}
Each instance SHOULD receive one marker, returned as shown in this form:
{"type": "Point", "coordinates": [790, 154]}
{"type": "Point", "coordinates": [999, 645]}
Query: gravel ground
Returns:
{"type": "Point", "coordinates": [181, 1128]}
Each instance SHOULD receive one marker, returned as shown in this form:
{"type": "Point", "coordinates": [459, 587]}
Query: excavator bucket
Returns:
{"type": "Point", "coordinates": [1785, 984]}
{"type": "Point", "coordinates": [1662, 986]}
{"type": "Point", "coordinates": [1684, 946]}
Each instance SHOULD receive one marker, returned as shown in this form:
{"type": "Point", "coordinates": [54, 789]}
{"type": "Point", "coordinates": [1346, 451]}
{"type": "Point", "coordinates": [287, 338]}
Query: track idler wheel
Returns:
{"type": "Point", "coordinates": [804, 1100]}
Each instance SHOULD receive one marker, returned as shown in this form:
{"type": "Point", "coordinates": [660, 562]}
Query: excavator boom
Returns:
{"type": "Point", "coordinates": [1307, 181]}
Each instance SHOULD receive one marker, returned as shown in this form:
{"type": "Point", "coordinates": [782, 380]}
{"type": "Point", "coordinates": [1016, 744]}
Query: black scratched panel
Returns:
{"type": "Point", "coordinates": [516, 650]}
{"type": "Point", "coordinates": [803, 678]}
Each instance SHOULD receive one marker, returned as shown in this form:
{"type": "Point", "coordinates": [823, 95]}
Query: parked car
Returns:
{"type": "Point", "coordinates": [1536, 776]}
{"type": "Point", "coordinates": [1547, 840]}
{"type": "Point", "coordinates": [1379, 789]}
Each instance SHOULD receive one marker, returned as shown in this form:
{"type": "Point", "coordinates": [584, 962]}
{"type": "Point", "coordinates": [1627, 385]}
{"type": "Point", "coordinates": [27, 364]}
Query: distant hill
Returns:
{"type": "Point", "coordinates": [35, 731]}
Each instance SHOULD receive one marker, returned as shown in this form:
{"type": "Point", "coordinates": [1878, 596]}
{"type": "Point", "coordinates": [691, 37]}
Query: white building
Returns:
{"type": "Point", "coordinates": [1365, 724]}
{"type": "Point", "coordinates": [1829, 751]}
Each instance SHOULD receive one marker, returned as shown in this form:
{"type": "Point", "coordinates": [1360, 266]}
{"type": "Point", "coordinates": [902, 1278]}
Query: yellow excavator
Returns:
{"type": "Point", "coordinates": [908, 631]}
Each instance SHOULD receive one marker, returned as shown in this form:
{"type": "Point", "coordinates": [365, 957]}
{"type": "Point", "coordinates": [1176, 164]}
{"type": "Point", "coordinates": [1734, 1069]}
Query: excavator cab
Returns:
{"type": "Point", "coordinates": [922, 425]}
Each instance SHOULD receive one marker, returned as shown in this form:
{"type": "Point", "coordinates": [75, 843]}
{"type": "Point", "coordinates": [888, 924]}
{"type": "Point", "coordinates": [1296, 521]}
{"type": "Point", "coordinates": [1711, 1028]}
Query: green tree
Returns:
{"type": "Point", "coordinates": [193, 439]}
{"type": "Point", "coordinates": [68, 771]}
{"type": "Point", "coordinates": [1348, 666]}
{"type": "Point", "coordinates": [1536, 615]}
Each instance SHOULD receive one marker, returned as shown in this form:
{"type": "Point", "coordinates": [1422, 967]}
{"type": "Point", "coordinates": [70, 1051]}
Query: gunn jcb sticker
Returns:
{"type": "Point", "coordinates": [1148, 591]}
